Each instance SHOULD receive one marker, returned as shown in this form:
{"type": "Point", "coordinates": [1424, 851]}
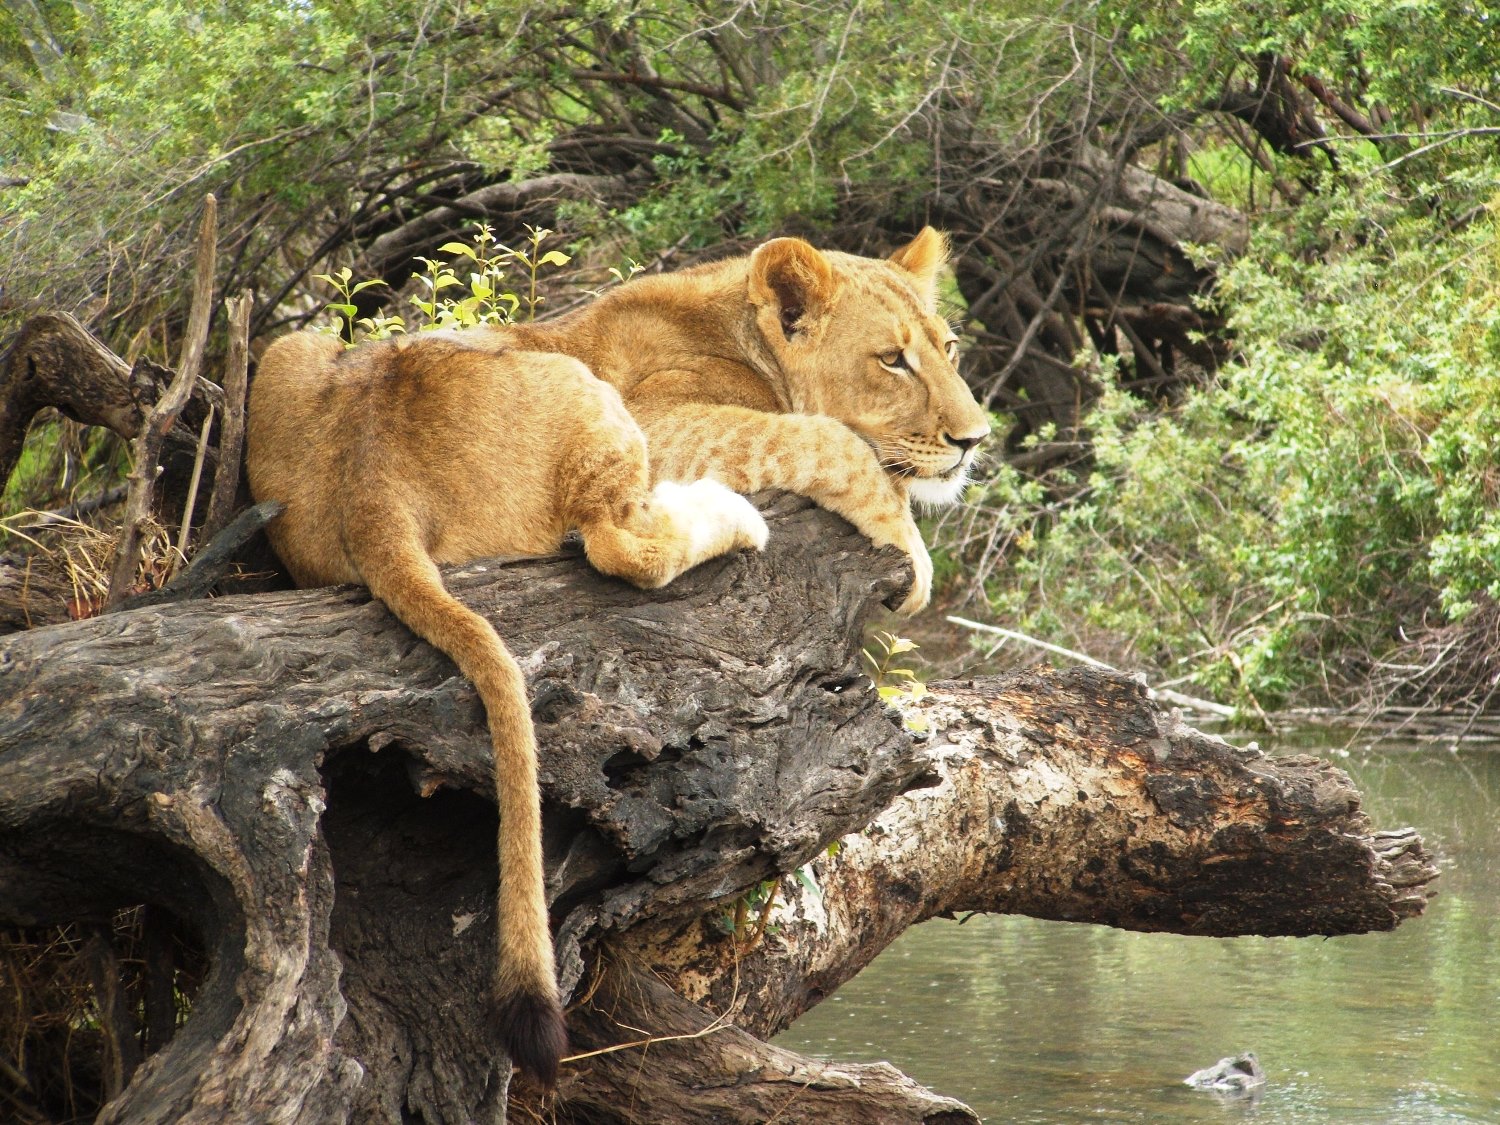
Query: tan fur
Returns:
{"type": "Point", "coordinates": [766, 372]}
{"type": "Point", "coordinates": [823, 373]}
{"type": "Point", "coordinates": [395, 458]}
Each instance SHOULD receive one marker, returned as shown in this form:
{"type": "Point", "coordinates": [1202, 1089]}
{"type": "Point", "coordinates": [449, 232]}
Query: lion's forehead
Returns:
{"type": "Point", "coordinates": [878, 299]}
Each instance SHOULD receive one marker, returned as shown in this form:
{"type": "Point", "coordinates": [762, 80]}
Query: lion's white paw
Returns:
{"type": "Point", "coordinates": [717, 518]}
{"type": "Point", "coordinates": [733, 509]}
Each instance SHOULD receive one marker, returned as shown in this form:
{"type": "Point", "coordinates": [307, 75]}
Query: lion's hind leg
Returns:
{"type": "Point", "coordinates": [650, 540]}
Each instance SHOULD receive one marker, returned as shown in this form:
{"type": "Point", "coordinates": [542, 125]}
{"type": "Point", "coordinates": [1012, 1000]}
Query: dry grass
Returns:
{"type": "Point", "coordinates": [62, 553]}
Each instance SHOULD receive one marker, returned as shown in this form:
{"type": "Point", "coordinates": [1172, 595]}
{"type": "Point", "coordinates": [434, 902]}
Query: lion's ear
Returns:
{"type": "Point", "coordinates": [792, 279]}
{"type": "Point", "coordinates": [923, 257]}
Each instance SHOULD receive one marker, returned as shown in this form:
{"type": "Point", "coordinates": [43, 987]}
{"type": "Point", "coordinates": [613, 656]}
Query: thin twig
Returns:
{"type": "Point", "coordinates": [153, 433]}
{"type": "Point", "coordinates": [719, 1024]}
{"type": "Point", "coordinates": [232, 432]}
{"type": "Point", "coordinates": [193, 482]}
{"type": "Point", "coordinates": [1189, 701]}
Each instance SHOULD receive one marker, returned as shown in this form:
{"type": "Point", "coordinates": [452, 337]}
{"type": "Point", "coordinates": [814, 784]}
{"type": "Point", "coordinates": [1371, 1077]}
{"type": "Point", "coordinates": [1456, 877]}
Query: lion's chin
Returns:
{"type": "Point", "coordinates": [939, 492]}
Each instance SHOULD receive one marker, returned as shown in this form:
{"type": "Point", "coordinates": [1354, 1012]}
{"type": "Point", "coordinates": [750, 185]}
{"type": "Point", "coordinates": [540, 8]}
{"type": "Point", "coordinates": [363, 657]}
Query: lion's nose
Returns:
{"type": "Point", "coordinates": [965, 443]}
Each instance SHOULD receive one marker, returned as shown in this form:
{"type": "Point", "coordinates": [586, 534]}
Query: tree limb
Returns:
{"type": "Point", "coordinates": [140, 501]}
{"type": "Point", "coordinates": [307, 788]}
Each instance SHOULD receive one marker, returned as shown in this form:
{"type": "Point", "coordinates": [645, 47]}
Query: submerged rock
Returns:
{"type": "Point", "coordinates": [1238, 1075]}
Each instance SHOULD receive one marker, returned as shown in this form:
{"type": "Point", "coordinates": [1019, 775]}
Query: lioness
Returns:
{"type": "Point", "coordinates": [395, 458]}
{"type": "Point", "coordinates": [827, 374]}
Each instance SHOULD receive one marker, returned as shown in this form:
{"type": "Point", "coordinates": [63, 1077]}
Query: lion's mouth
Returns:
{"type": "Point", "coordinates": [899, 463]}
{"type": "Point", "coordinates": [906, 470]}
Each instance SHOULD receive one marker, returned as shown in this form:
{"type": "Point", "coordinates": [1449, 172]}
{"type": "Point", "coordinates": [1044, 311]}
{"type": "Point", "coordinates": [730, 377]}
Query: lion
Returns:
{"type": "Point", "coordinates": [395, 458]}
{"type": "Point", "coordinates": [638, 420]}
{"type": "Point", "coordinates": [830, 375]}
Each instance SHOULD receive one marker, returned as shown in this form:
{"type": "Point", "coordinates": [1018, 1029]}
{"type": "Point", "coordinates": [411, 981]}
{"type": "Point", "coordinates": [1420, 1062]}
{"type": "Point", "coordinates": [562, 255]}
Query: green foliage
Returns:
{"type": "Point", "coordinates": [480, 297]}
{"type": "Point", "coordinates": [1340, 478]}
{"type": "Point", "coordinates": [898, 687]}
{"type": "Point", "coordinates": [1333, 482]}
{"type": "Point", "coordinates": [121, 113]}
{"type": "Point", "coordinates": [1369, 367]}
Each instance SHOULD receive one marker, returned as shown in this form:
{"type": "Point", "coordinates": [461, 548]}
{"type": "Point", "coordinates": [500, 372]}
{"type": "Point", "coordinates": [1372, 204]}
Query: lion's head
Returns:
{"type": "Point", "coordinates": [860, 339]}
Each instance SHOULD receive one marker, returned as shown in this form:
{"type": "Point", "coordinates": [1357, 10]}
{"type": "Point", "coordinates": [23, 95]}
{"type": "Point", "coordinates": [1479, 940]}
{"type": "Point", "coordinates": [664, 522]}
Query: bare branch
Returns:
{"type": "Point", "coordinates": [148, 447]}
{"type": "Point", "coordinates": [232, 432]}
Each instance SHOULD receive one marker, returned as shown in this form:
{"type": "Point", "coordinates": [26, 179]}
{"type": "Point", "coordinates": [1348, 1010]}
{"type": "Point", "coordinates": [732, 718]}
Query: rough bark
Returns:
{"type": "Point", "coordinates": [53, 361]}
{"type": "Point", "coordinates": [689, 751]}
{"type": "Point", "coordinates": [303, 788]}
{"type": "Point", "coordinates": [1068, 796]}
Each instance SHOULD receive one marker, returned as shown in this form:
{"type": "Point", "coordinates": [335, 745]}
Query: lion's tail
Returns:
{"type": "Point", "coordinates": [526, 1010]}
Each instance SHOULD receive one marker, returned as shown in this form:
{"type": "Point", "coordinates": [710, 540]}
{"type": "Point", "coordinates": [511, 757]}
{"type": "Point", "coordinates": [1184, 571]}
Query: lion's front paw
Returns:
{"type": "Point", "coordinates": [904, 535]}
{"type": "Point", "coordinates": [716, 518]}
{"type": "Point", "coordinates": [921, 583]}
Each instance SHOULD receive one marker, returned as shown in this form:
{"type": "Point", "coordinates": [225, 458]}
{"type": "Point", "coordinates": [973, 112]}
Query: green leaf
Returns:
{"type": "Point", "coordinates": [459, 248]}
{"type": "Point", "coordinates": [805, 877]}
{"type": "Point", "coordinates": [554, 258]}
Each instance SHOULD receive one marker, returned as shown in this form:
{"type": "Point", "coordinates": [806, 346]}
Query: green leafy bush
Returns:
{"type": "Point", "coordinates": [481, 296]}
{"type": "Point", "coordinates": [1336, 484]}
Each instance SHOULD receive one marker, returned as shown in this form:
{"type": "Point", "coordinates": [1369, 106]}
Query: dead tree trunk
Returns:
{"type": "Point", "coordinates": [297, 790]}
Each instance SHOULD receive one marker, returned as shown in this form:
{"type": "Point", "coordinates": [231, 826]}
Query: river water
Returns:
{"type": "Point", "coordinates": [1031, 1021]}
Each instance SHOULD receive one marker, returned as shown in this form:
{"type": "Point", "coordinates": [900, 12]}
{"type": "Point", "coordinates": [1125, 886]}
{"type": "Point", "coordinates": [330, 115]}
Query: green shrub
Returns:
{"type": "Point", "coordinates": [1336, 484]}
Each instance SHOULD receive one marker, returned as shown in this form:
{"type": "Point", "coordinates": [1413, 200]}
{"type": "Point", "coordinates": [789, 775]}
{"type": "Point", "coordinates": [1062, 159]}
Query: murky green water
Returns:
{"type": "Point", "coordinates": [1032, 1021]}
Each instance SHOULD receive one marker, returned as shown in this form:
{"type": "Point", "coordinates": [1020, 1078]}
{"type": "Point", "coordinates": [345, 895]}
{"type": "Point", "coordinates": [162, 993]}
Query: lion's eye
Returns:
{"type": "Point", "coordinates": [894, 361]}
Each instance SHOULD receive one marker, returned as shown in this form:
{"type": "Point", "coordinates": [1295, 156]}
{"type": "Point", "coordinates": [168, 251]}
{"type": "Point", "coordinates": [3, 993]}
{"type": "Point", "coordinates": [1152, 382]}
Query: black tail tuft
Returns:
{"type": "Point", "coordinates": [531, 1030]}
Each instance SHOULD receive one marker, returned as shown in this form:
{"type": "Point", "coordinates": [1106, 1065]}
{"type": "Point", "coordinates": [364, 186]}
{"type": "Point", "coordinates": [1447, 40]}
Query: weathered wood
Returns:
{"type": "Point", "coordinates": [141, 501]}
{"type": "Point", "coordinates": [54, 361]}
{"type": "Point", "coordinates": [230, 469]}
{"type": "Point", "coordinates": [1068, 796]}
{"type": "Point", "coordinates": [305, 786]}
{"type": "Point", "coordinates": [696, 1067]}
{"type": "Point", "coordinates": [688, 751]}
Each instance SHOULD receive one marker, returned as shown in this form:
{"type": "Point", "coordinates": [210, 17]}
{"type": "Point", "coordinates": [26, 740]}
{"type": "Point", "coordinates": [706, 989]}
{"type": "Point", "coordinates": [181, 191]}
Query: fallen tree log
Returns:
{"type": "Point", "coordinates": [297, 791]}
{"type": "Point", "coordinates": [1067, 796]}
